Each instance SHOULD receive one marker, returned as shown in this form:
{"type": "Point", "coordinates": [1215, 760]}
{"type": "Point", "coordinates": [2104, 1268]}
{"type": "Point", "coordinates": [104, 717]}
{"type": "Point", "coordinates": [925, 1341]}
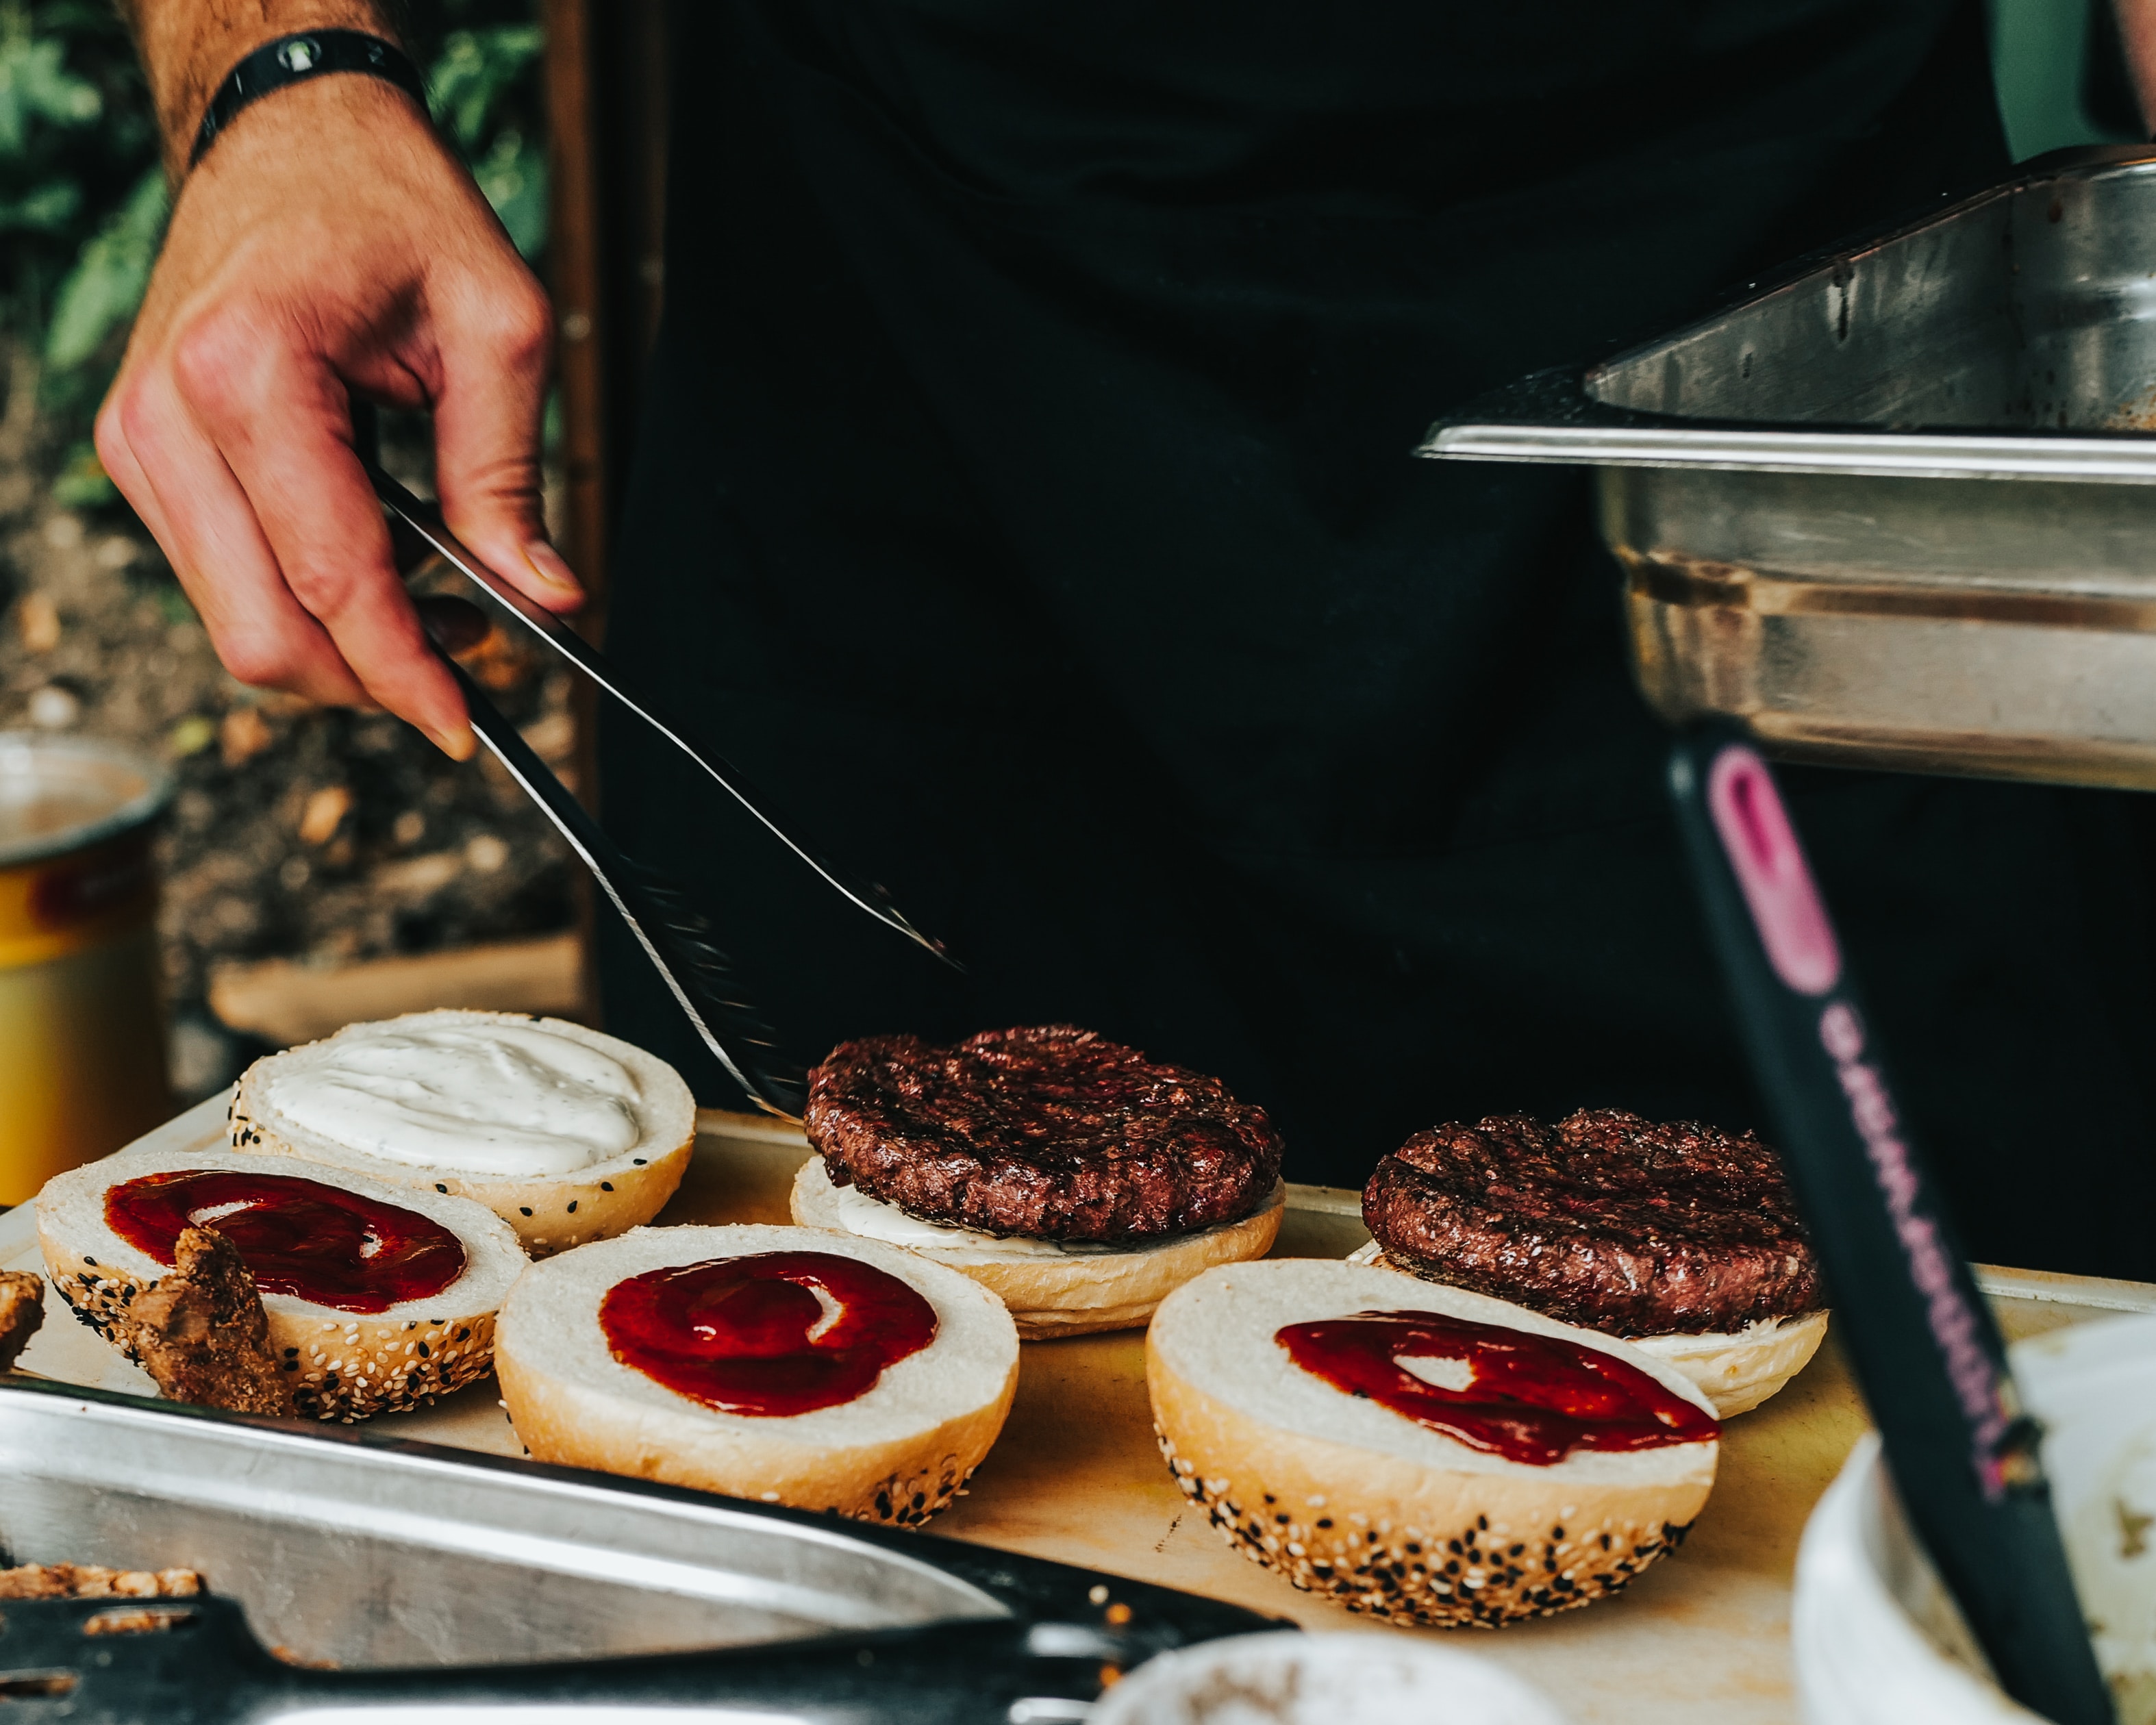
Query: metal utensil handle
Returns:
{"type": "Point", "coordinates": [425, 519]}
{"type": "Point", "coordinates": [1927, 1354]}
{"type": "Point", "coordinates": [956, 1672]}
{"type": "Point", "coordinates": [654, 911]}
{"type": "Point", "coordinates": [122, 1662]}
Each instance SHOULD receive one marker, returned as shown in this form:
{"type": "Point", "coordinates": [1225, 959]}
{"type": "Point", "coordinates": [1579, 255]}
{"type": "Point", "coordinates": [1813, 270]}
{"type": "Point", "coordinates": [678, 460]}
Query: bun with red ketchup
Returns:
{"type": "Point", "coordinates": [379, 1297]}
{"type": "Point", "coordinates": [1419, 1453]}
{"type": "Point", "coordinates": [783, 1364]}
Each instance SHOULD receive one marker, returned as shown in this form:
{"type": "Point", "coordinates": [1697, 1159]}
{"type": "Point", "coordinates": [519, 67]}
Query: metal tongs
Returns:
{"type": "Point", "coordinates": [660, 912]}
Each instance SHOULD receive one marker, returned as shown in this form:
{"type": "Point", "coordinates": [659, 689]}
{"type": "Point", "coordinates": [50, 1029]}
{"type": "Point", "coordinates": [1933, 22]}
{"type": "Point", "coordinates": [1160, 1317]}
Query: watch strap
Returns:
{"type": "Point", "coordinates": [294, 60]}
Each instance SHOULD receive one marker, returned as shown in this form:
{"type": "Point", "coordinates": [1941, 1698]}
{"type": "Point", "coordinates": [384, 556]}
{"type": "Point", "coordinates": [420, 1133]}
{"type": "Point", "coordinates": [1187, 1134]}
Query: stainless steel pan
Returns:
{"type": "Point", "coordinates": [1898, 505]}
{"type": "Point", "coordinates": [367, 1551]}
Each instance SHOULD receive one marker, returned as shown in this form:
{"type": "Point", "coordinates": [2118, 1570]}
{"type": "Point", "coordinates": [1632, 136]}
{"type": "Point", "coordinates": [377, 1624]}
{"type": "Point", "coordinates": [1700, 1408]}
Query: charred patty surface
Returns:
{"type": "Point", "coordinates": [1603, 1220]}
{"type": "Point", "coordinates": [1052, 1133]}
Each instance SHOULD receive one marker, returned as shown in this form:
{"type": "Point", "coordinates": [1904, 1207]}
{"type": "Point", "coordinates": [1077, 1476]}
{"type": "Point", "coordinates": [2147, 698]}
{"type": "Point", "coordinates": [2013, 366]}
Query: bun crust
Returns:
{"type": "Point", "coordinates": [1083, 1293]}
{"type": "Point", "coordinates": [1737, 1369]}
{"type": "Point", "coordinates": [344, 1365]}
{"type": "Point", "coordinates": [1387, 1516]}
{"type": "Point", "coordinates": [898, 1453]}
{"type": "Point", "coordinates": [550, 1213]}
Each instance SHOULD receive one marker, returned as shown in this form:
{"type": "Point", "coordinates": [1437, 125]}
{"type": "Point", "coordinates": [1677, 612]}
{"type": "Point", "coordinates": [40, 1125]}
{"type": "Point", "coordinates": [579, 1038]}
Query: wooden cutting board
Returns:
{"type": "Point", "coordinates": [1702, 1637]}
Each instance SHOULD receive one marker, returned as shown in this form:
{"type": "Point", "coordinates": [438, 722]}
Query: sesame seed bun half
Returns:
{"type": "Point", "coordinates": [551, 1213]}
{"type": "Point", "coordinates": [1383, 1514]}
{"type": "Point", "coordinates": [1737, 1369]}
{"type": "Point", "coordinates": [344, 1365]}
{"type": "Point", "coordinates": [1050, 1293]}
{"type": "Point", "coordinates": [897, 1453]}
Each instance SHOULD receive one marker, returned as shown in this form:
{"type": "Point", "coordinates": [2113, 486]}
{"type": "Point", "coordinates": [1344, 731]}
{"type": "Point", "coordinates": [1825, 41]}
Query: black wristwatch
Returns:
{"type": "Point", "coordinates": [294, 60]}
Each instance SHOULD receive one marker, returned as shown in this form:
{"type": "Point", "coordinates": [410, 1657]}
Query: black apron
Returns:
{"type": "Point", "coordinates": [1026, 494]}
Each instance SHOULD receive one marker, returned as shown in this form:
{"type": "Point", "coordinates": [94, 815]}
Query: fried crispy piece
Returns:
{"type": "Point", "coordinates": [201, 1333]}
{"type": "Point", "coordinates": [22, 1310]}
{"type": "Point", "coordinates": [93, 1581]}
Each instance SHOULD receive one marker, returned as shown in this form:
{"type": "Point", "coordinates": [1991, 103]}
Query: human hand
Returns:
{"type": "Point", "coordinates": [329, 245]}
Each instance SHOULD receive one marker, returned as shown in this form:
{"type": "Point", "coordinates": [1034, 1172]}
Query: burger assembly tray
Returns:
{"type": "Point", "coordinates": [1075, 1478]}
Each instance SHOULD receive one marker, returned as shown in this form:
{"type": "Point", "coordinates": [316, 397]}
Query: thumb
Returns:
{"type": "Point", "coordinates": [487, 444]}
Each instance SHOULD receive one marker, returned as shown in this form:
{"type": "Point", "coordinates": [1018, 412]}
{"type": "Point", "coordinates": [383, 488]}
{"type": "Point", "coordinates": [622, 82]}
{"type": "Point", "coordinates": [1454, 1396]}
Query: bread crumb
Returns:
{"type": "Point", "coordinates": [22, 1310]}
{"type": "Point", "coordinates": [93, 1581]}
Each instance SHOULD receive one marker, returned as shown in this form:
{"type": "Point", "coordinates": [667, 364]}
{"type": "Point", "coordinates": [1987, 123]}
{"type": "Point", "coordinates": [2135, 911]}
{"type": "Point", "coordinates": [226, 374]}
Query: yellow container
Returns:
{"type": "Point", "coordinates": [82, 1040]}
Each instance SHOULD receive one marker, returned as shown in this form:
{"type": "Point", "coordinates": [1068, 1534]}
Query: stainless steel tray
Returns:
{"type": "Point", "coordinates": [1897, 507]}
{"type": "Point", "coordinates": [365, 1551]}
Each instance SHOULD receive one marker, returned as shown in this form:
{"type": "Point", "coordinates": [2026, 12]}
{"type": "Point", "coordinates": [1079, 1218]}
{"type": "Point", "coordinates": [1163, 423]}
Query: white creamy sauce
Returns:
{"type": "Point", "coordinates": [872, 1219]}
{"type": "Point", "coordinates": [493, 1099]}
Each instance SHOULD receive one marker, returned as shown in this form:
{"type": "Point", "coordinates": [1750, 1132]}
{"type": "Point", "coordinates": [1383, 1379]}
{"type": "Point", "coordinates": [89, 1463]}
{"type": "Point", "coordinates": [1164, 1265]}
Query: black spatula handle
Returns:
{"type": "Point", "coordinates": [1927, 1354]}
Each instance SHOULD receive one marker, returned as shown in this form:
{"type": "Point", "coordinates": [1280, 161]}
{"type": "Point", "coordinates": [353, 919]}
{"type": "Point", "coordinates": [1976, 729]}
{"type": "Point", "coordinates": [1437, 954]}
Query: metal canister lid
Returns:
{"type": "Point", "coordinates": [64, 793]}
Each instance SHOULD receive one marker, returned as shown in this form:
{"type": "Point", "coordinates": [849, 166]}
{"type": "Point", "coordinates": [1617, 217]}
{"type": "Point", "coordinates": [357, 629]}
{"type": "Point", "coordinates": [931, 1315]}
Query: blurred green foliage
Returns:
{"type": "Point", "coordinates": [83, 200]}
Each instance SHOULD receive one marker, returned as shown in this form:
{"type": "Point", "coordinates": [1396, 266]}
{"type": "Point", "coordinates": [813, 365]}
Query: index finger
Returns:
{"type": "Point", "coordinates": [280, 417]}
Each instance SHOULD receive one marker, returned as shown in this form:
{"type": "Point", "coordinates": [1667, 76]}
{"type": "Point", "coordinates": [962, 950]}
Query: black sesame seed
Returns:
{"type": "Point", "coordinates": [88, 1259]}
{"type": "Point", "coordinates": [439, 1187]}
{"type": "Point", "coordinates": [524, 1209]}
{"type": "Point", "coordinates": [638, 1160]}
{"type": "Point", "coordinates": [463, 1335]}
{"type": "Point", "coordinates": [1556, 1532]}
{"type": "Point", "coordinates": [423, 1352]}
{"type": "Point", "coordinates": [606, 1185]}
{"type": "Point", "coordinates": [572, 1206]}
{"type": "Point", "coordinates": [1325, 1522]}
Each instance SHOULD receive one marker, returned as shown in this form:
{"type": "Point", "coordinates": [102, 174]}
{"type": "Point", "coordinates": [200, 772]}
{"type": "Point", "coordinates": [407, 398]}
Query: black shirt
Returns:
{"type": "Point", "coordinates": [1027, 490]}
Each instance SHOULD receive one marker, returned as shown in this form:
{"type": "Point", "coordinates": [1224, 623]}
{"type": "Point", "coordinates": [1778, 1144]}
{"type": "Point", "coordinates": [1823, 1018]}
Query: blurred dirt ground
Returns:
{"type": "Point", "coordinates": [323, 837]}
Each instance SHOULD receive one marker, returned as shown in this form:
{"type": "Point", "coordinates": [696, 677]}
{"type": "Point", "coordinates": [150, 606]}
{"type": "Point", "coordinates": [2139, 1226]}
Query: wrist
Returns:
{"type": "Point", "coordinates": [188, 49]}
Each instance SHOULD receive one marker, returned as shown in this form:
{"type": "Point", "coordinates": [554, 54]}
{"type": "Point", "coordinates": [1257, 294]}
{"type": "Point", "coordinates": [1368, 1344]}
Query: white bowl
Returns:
{"type": "Point", "coordinates": [1289, 1679]}
{"type": "Point", "coordinates": [1877, 1638]}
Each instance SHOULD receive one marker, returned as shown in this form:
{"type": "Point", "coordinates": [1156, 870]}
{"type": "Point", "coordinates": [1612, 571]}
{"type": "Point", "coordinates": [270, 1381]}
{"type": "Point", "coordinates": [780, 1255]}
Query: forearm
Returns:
{"type": "Point", "coordinates": [188, 46]}
{"type": "Point", "coordinates": [2136, 33]}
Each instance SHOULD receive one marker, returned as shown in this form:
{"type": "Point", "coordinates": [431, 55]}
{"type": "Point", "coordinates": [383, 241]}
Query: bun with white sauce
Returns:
{"type": "Point", "coordinates": [345, 1363]}
{"type": "Point", "coordinates": [1677, 1236]}
{"type": "Point", "coordinates": [1387, 1515]}
{"type": "Point", "coordinates": [896, 1451]}
{"type": "Point", "coordinates": [1736, 1369]}
{"type": "Point", "coordinates": [1051, 1287]}
{"type": "Point", "coordinates": [1076, 1177]}
{"type": "Point", "coordinates": [567, 1135]}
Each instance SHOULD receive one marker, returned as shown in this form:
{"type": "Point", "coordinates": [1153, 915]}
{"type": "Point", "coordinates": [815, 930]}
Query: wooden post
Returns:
{"type": "Point", "coordinates": [606, 113]}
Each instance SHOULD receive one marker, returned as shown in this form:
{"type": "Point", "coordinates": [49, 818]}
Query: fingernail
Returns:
{"type": "Point", "coordinates": [459, 744]}
{"type": "Point", "coordinates": [546, 564]}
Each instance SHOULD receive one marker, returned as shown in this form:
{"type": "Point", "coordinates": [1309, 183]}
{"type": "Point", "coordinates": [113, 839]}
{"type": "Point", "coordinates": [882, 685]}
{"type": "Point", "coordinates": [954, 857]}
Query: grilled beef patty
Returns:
{"type": "Point", "coordinates": [1050, 1133]}
{"type": "Point", "coordinates": [1604, 1220]}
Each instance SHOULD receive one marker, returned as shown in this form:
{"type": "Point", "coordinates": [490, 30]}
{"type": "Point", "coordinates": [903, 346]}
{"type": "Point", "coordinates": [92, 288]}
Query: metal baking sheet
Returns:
{"type": "Point", "coordinates": [366, 1550]}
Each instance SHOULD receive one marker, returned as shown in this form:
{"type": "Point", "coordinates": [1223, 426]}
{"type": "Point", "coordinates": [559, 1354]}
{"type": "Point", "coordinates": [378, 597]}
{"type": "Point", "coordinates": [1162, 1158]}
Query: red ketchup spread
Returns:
{"type": "Point", "coordinates": [750, 1336]}
{"type": "Point", "coordinates": [1528, 1398]}
{"type": "Point", "coordinates": [299, 1237]}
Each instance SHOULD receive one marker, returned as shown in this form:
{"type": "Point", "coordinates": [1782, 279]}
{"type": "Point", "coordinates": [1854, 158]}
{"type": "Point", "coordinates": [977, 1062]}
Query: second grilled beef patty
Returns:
{"type": "Point", "coordinates": [1603, 1220]}
{"type": "Point", "coordinates": [1051, 1133]}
